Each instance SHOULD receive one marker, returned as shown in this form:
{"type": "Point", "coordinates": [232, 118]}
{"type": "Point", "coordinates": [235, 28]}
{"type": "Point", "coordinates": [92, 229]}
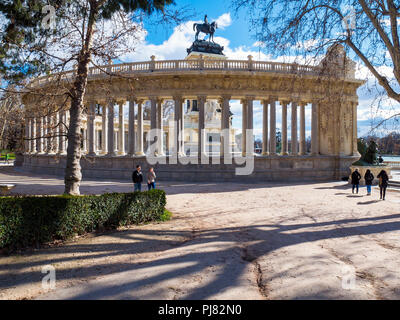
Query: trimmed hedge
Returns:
{"type": "Point", "coordinates": [33, 220]}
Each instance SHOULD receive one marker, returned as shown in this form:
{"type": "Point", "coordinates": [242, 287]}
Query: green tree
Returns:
{"type": "Point", "coordinates": [48, 36]}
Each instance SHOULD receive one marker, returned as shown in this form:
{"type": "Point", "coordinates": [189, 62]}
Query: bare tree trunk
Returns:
{"type": "Point", "coordinates": [73, 173]}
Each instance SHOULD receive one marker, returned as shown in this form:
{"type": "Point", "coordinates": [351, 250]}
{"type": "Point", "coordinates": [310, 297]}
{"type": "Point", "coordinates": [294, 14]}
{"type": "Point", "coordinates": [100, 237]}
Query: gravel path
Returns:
{"type": "Point", "coordinates": [225, 241]}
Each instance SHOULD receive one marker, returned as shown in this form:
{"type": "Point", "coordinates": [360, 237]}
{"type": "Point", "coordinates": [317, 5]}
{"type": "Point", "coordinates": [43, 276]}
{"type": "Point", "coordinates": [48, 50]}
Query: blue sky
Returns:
{"type": "Point", "coordinates": [238, 33]}
{"type": "Point", "coordinates": [171, 42]}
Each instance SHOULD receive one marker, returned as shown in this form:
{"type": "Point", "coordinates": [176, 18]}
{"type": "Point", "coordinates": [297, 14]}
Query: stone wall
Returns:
{"type": "Point", "coordinates": [278, 169]}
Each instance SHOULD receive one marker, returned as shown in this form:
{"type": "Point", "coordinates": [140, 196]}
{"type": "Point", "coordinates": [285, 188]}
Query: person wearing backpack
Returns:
{"type": "Point", "coordinates": [137, 179]}
{"type": "Point", "coordinates": [369, 179]}
{"type": "Point", "coordinates": [355, 180]}
{"type": "Point", "coordinates": [383, 183]}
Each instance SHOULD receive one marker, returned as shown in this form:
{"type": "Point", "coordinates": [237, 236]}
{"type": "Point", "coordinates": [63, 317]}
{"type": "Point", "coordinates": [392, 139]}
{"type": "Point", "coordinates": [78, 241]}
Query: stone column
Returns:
{"type": "Point", "coordinates": [302, 146]}
{"type": "Point", "coordinates": [179, 144]}
{"type": "Point", "coordinates": [104, 127]}
{"type": "Point", "coordinates": [265, 144]}
{"type": "Point", "coordinates": [121, 130]}
{"type": "Point", "coordinates": [293, 150]}
{"type": "Point", "coordinates": [84, 140]}
{"type": "Point", "coordinates": [33, 135]}
{"type": "Point", "coordinates": [355, 131]}
{"type": "Point", "coordinates": [46, 134]}
{"type": "Point", "coordinates": [244, 126]}
{"type": "Point", "coordinates": [250, 125]}
{"type": "Point", "coordinates": [62, 131]}
{"type": "Point", "coordinates": [160, 129]}
{"type": "Point", "coordinates": [225, 140]}
{"type": "Point", "coordinates": [315, 129]}
{"type": "Point", "coordinates": [56, 132]}
{"type": "Point", "coordinates": [140, 151]}
{"type": "Point", "coordinates": [91, 129]}
{"type": "Point", "coordinates": [27, 135]}
{"type": "Point", "coordinates": [201, 149]}
{"type": "Point", "coordinates": [272, 128]}
{"type": "Point", "coordinates": [131, 128]}
{"type": "Point", "coordinates": [152, 135]}
{"type": "Point", "coordinates": [111, 141]}
{"type": "Point", "coordinates": [284, 150]}
{"type": "Point", "coordinates": [40, 141]}
{"type": "Point", "coordinates": [49, 134]}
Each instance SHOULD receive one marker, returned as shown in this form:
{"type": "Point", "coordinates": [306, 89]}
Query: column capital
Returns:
{"type": "Point", "coordinates": [225, 97]}
{"type": "Point", "coordinates": [178, 98]}
{"type": "Point", "coordinates": [110, 101]}
{"type": "Point", "coordinates": [284, 102]}
{"type": "Point", "coordinates": [139, 101]}
{"type": "Point", "coordinates": [247, 99]}
{"type": "Point", "coordinates": [202, 98]}
{"type": "Point", "coordinates": [266, 102]}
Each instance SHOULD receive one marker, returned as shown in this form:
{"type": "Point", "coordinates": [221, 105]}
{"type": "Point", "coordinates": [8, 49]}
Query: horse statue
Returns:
{"type": "Point", "coordinates": [205, 28]}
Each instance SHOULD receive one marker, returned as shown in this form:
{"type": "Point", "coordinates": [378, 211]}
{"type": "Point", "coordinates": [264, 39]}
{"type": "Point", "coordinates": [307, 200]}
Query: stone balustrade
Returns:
{"type": "Point", "coordinates": [188, 65]}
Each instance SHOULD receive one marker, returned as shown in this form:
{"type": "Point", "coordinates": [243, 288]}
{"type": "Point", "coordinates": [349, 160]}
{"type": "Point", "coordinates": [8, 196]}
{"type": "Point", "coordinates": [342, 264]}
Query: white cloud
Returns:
{"type": "Point", "coordinates": [224, 21]}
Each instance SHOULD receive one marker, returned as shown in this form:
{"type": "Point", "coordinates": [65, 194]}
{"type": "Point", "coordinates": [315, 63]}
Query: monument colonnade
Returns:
{"type": "Point", "coordinates": [333, 98]}
{"type": "Point", "coordinates": [49, 131]}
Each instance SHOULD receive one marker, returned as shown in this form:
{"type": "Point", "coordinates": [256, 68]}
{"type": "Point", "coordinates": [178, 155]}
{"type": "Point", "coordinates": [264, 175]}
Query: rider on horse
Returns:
{"type": "Point", "coordinates": [206, 21]}
{"type": "Point", "coordinates": [206, 27]}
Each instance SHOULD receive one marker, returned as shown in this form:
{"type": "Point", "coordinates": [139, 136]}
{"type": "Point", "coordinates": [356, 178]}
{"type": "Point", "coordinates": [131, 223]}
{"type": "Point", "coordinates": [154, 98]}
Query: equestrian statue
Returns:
{"type": "Point", "coordinates": [207, 28]}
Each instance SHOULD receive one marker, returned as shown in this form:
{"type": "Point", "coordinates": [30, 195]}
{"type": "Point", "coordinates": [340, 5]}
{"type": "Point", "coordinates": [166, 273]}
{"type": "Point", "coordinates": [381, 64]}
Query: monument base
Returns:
{"type": "Point", "coordinates": [206, 47]}
{"type": "Point", "coordinates": [194, 55]}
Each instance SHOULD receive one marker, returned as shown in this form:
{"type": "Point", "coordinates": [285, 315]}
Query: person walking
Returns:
{"type": "Point", "coordinates": [355, 180]}
{"type": "Point", "coordinates": [369, 179]}
{"type": "Point", "coordinates": [151, 179]}
{"type": "Point", "coordinates": [383, 183]}
{"type": "Point", "coordinates": [137, 178]}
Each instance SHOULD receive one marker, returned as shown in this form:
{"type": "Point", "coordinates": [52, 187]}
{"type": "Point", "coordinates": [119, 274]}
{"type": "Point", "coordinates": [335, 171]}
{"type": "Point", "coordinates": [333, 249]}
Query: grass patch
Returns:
{"type": "Point", "coordinates": [166, 216]}
{"type": "Point", "coordinates": [11, 155]}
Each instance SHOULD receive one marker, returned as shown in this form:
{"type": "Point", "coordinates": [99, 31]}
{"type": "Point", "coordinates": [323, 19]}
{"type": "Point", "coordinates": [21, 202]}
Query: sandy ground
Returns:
{"type": "Point", "coordinates": [225, 241]}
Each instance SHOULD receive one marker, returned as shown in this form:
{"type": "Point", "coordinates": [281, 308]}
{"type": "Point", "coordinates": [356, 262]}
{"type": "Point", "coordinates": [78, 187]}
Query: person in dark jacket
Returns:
{"type": "Point", "coordinates": [137, 178]}
{"type": "Point", "coordinates": [369, 179]}
{"type": "Point", "coordinates": [355, 180]}
{"type": "Point", "coordinates": [383, 183]}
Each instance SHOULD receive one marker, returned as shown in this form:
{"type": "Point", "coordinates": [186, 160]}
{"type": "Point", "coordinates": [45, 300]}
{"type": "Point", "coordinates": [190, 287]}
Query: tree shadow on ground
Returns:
{"type": "Point", "coordinates": [230, 249]}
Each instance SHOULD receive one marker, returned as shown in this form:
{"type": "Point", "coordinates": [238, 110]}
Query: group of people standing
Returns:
{"type": "Point", "coordinates": [369, 179]}
{"type": "Point", "coordinates": [137, 178]}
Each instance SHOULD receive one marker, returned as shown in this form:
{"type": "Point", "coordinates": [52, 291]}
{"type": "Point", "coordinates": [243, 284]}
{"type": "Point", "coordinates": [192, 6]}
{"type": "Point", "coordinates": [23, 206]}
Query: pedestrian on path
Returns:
{"type": "Point", "coordinates": [369, 179]}
{"type": "Point", "coordinates": [137, 178]}
{"type": "Point", "coordinates": [383, 183]}
{"type": "Point", "coordinates": [151, 179]}
{"type": "Point", "coordinates": [355, 180]}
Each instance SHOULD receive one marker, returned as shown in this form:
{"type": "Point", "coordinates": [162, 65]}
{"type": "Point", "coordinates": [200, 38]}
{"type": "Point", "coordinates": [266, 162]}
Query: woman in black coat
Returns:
{"type": "Point", "coordinates": [355, 180]}
{"type": "Point", "coordinates": [383, 183]}
{"type": "Point", "coordinates": [369, 179]}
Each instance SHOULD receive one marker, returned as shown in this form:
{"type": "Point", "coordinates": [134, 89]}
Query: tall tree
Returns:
{"type": "Point", "coordinates": [44, 36]}
{"type": "Point", "coordinates": [368, 28]}
{"type": "Point", "coordinates": [11, 113]}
